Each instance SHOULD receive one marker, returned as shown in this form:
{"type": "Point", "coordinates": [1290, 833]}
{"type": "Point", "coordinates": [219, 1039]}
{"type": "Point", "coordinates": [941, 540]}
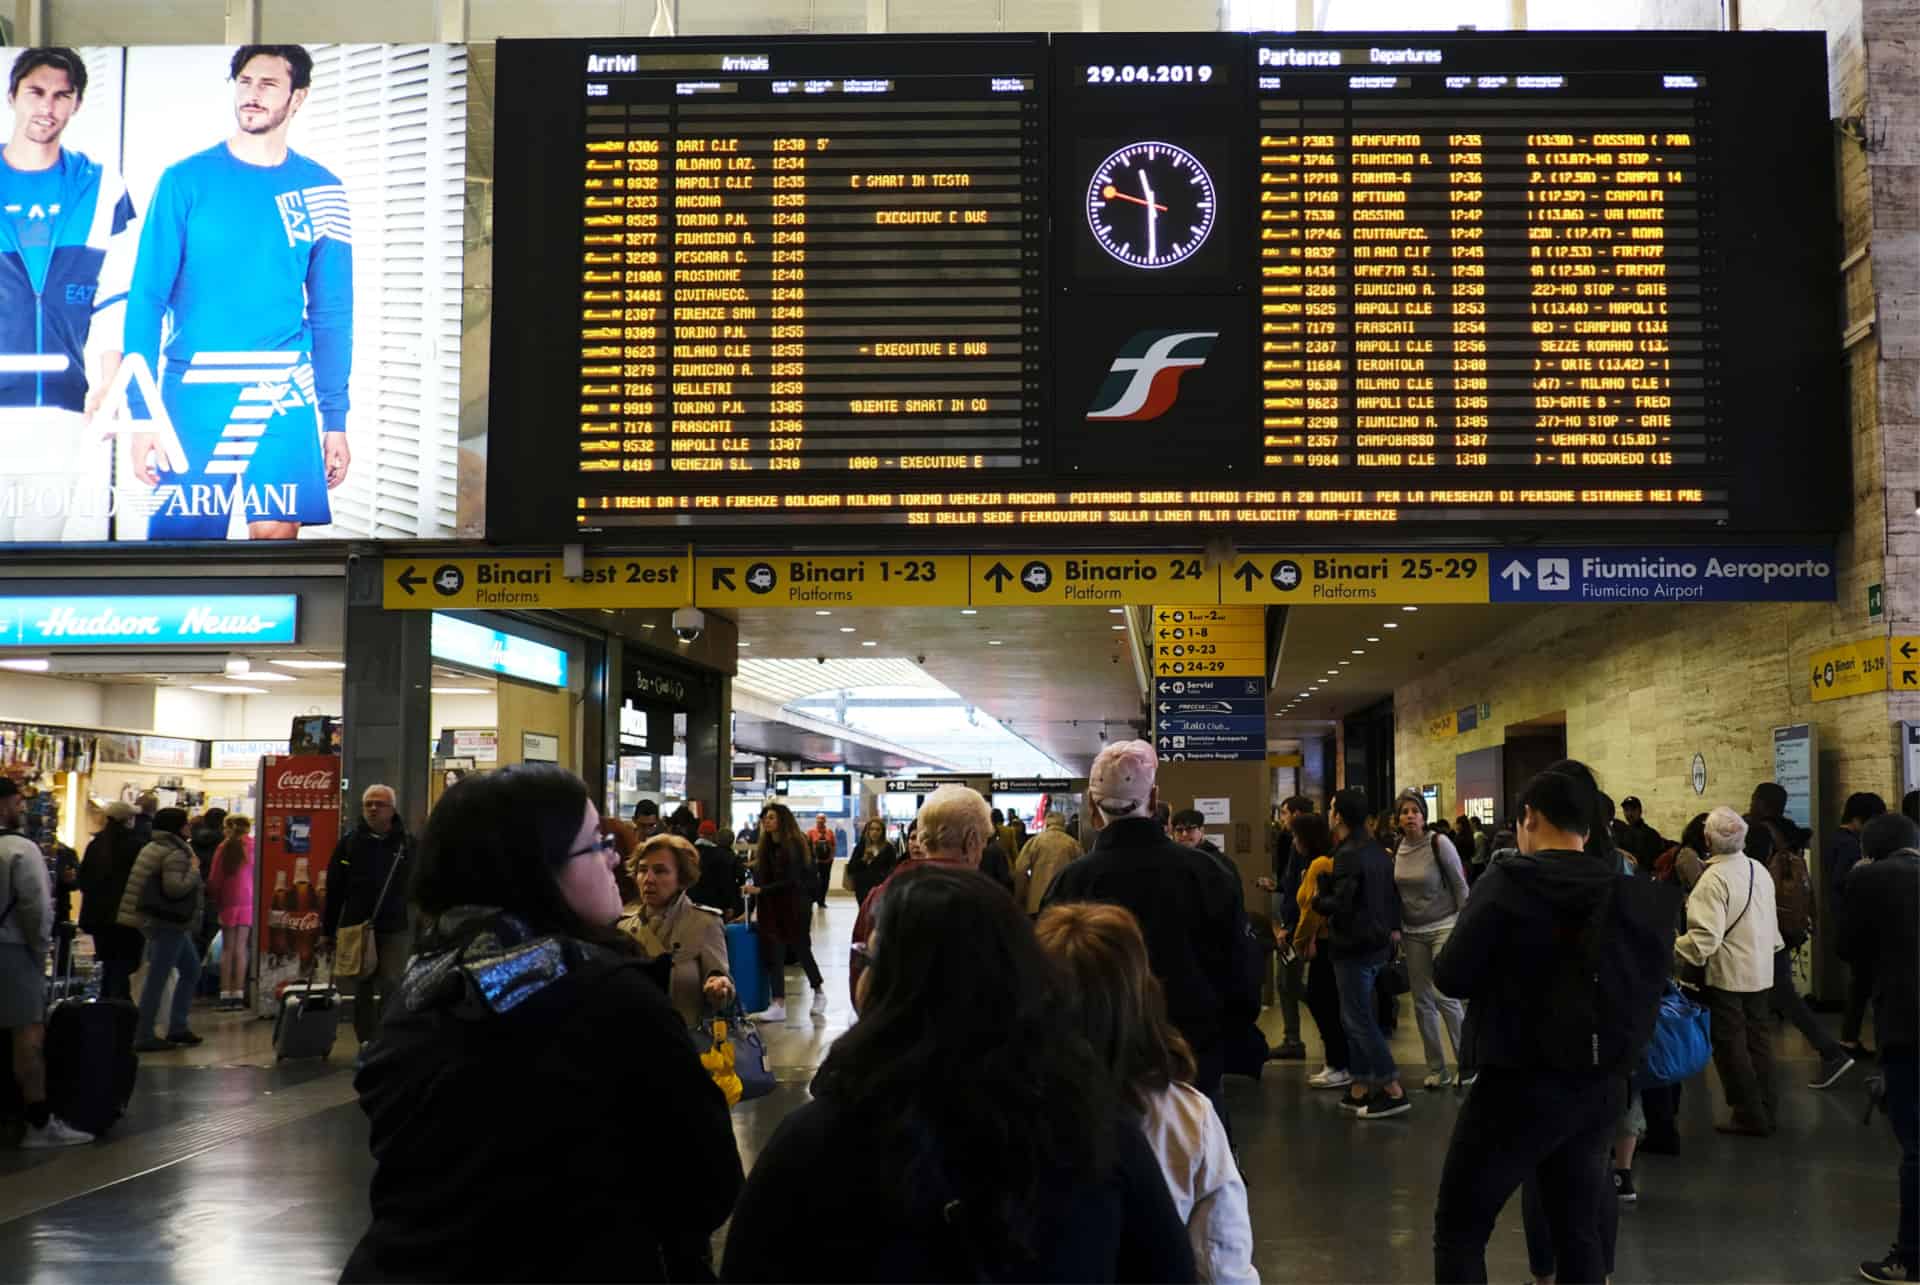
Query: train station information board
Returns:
{"type": "Point", "coordinates": [1093, 283]}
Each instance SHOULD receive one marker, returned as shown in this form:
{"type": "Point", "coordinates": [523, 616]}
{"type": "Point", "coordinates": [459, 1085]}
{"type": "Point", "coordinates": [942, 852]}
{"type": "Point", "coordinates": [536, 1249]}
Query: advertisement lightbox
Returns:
{"type": "Point", "coordinates": [230, 292]}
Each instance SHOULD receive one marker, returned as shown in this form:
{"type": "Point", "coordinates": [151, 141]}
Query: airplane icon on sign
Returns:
{"type": "Point", "coordinates": [1556, 573]}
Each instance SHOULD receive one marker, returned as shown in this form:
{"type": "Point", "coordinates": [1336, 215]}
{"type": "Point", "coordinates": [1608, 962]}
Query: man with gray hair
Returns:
{"type": "Point", "coordinates": [953, 829]}
{"type": "Point", "coordinates": [367, 883]}
{"type": "Point", "coordinates": [1190, 911]}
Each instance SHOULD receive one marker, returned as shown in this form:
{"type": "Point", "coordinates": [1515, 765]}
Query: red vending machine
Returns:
{"type": "Point", "coordinates": [299, 823]}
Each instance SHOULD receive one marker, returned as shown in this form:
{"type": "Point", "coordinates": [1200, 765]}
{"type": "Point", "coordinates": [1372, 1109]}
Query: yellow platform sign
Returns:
{"type": "Point", "coordinates": [1359, 579]}
{"type": "Point", "coordinates": [1851, 669]}
{"type": "Point", "coordinates": [1089, 580]}
{"type": "Point", "coordinates": [1168, 635]}
{"type": "Point", "coordinates": [1208, 614]}
{"type": "Point", "coordinates": [1205, 667]}
{"type": "Point", "coordinates": [1252, 653]}
{"type": "Point", "coordinates": [453, 584]}
{"type": "Point", "coordinates": [870, 580]}
{"type": "Point", "coordinates": [1904, 673]}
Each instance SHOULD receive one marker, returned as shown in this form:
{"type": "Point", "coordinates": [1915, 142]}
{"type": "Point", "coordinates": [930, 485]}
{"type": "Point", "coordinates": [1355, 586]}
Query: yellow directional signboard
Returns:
{"type": "Point", "coordinates": [1253, 653]}
{"type": "Point", "coordinates": [1361, 579]}
{"type": "Point", "coordinates": [1168, 635]}
{"type": "Point", "coordinates": [869, 580]}
{"type": "Point", "coordinates": [1205, 614]}
{"type": "Point", "coordinates": [1089, 580]}
{"type": "Point", "coordinates": [1904, 676]}
{"type": "Point", "coordinates": [1851, 669]}
{"type": "Point", "coordinates": [451, 584]}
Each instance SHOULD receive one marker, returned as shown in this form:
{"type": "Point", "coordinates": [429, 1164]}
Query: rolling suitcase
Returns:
{"type": "Point", "coordinates": [91, 1064]}
{"type": "Point", "coordinates": [308, 1021]}
{"type": "Point", "coordinates": [743, 962]}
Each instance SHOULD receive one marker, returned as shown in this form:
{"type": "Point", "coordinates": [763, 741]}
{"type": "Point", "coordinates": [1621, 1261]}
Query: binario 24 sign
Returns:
{"type": "Point", "coordinates": [149, 620]}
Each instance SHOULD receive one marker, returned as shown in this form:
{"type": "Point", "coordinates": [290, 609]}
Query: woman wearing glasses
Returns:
{"type": "Point", "coordinates": [525, 1023]}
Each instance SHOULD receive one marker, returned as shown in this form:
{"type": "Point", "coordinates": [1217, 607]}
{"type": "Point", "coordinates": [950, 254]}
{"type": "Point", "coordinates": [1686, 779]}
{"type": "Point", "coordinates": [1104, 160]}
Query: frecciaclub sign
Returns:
{"type": "Point", "coordinates": [149, 620]}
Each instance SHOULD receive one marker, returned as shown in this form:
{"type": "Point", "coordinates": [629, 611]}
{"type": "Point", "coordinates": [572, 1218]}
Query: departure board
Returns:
{"type": "Point", "coordinates": [810, 259]}
{"type": "Point", "coordinates": [1195, 284]}
{"type": "Point", "coordinates": [1478, 271]}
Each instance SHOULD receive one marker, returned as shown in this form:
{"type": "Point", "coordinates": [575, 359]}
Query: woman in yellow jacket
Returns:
{"type": "Point", "coordinates": [1315, 842]}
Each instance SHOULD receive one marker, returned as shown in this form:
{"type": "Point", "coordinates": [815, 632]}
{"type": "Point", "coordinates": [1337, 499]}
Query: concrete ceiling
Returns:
{"type": "Point", "coordinates": [1319, 643]}
{"type": "Point", "coordinates": [1059, 677]}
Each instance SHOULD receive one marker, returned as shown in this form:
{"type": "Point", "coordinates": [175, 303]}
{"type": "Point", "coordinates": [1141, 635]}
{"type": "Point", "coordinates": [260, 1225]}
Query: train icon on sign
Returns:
{"type": "Point", "coordinates": [448, 580]}
{"type": "Point", "coordinates": [1286, 576]}
{"type": "Point", "coordinates": [1036, 576]}
{"type": "Point", "coordinates": [761, 578]}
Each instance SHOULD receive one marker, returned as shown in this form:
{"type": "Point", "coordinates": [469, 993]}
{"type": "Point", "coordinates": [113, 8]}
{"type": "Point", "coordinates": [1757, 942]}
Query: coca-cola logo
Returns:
{"type": "Point", "coordinates": [318, 779]}
{"type": "Point", "coordinates": [308, 922]}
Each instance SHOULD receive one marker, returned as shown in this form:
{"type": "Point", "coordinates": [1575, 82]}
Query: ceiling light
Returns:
{"type": "Point", "coordinates": [1359, 651]}
{"type": "Point", "coordinates": [1120, 628]}
{"type": "Point", "coordinates": [823, 613]}
{"type": "Point", "coordinates": [969, 611]}
{"type": "Point", "coordinates": [648, 627]}
{"type": "Point", "coordinates": [1346, 662]}
{"type": "Point", "coordinates": [870, 643]}
{"type": "Point", "coordinates": [1116, 611]}
{"type": "Point", "coordinates": [1306, 693]}
{"type": "Point", "coordinates": [1409, 608]}
{"type": "Point", "coordinates": [309, 664]}
{"type": "Point", "coordinates": [1372, 639]}
{"type": "Point", "coordinates": [26, 666]}
{"type": "Point", "coordinates": [846, 629]}
{"type": "Point", "coordinates": [993, 642]}
{"type": "Point", "coordinates": [458, 691]}
{"type": "Point", "coordinates": [743, 644]}
{"type": "Point", "coordinates": [229, 689]}
{"type": "Point", "coordinates": [238, 666]}
{"type": "Point", "coordinates": [1391, 624]}
{"type": "Point", "coordinates": [1332, 672]}
{"type": "Point", "coordinates": [262, 676]}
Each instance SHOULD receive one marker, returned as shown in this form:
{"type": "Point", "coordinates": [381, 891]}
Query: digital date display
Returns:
{"type": "Point", "coordinates": [1107, 73]}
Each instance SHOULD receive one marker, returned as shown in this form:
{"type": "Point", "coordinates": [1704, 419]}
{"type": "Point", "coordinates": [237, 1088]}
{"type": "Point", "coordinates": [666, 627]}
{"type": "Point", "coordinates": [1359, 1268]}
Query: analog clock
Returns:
{"type": "Point", "coordinates": [1150, 205]}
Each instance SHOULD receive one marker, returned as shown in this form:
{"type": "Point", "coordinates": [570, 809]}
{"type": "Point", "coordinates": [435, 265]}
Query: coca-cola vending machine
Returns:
{"type": "Point", "coordinates": [298, 825]}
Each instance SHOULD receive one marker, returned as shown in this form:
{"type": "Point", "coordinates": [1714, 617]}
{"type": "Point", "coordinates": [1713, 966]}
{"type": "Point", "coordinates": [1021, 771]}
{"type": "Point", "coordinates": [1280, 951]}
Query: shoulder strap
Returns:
{"type": "Point", "coordinates": [1743, 910]}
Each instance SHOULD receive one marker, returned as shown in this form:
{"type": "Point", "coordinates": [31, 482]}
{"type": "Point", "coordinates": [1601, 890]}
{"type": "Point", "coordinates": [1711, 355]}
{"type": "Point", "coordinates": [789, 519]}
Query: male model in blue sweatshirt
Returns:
{"type": "Point", "coordinates": [66, 254]}
{"type": "Point", "coordinates": [247, 255]}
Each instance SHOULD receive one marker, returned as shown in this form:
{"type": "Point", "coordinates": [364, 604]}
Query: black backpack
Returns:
{"type": "Point", "coordinates": [1598, 1008]}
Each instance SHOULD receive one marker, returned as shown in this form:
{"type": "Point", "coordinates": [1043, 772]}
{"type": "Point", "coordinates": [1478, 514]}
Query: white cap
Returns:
{"type": "Point", "coordinates": [1122, 778]}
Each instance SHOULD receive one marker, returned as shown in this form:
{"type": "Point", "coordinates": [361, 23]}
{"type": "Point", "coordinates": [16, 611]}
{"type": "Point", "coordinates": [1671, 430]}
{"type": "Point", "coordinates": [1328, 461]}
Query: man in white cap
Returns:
{"type": "Point", "coordinates": [954, 828]}
{"type": "Point", "coordinates": [1190, 912]}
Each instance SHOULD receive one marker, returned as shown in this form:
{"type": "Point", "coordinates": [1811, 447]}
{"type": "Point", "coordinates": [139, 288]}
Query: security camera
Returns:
{"type": "Point", "coordinates": [921, 659]}
{"type": "Point", "coordinates": [819, 660]}
{"type": "Point", "coordinates": [689, 623]}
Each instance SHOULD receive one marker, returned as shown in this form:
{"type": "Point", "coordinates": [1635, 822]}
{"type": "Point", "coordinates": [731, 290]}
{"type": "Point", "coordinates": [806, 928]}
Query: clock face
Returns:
{"type": "Point", "coordinates": [1150, 205]}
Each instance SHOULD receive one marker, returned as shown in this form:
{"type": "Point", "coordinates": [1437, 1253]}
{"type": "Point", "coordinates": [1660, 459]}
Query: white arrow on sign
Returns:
{"type": "Point", "coordinates": [1515, 573]}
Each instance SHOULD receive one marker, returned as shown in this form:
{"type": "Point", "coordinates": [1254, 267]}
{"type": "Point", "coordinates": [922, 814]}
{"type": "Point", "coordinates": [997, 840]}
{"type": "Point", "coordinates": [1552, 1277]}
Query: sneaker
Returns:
{"type": "Point", "coordinates": [819, 1004]}
{"type": "Point", "coordinates": [1438, 1080]}
{"type": "Point", "coordinates": [1466, 1079]}
{"type": "Point", "coordinates": [1380, 1105]}
{"type": "Point", "coordinates": [151, 1045]}
{"type": "Point", "coordinates": [1357, 1106]}
{"type": "Point", "coordinates": [1831, 1069]}
{"type": "Point", "coordinates": [1328, 1078]}
{"type": "Point", "coordinates": [774, 1013]}
{"type": "Point", "coordinates": [186, 1039]}
{"type": "Point", "coordinates": [54, 1133]}
{"type": "Point", "coordinates": [1623, 1186]}
{"type": "Point", "coordinates": [1891, 1270]}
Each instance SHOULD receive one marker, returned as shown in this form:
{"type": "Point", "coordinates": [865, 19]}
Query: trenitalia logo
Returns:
{"type": "Point", "coordinates": [1144, 380]}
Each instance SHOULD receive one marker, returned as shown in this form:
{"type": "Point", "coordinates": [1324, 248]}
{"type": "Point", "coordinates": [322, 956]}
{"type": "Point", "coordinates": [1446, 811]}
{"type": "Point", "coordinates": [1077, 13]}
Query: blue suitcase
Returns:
{"type": "Point", "coordinates": [743, 961]}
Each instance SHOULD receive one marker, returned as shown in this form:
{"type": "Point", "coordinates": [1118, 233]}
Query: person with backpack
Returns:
{"type": "Point", "coordinates": [1562, 963]}
{"type": "Point", "coordinates": [1361, 902]}
{"type": "Point", "coordinates": [1733, 932]}
{"type": "Point", "coordinates": [1883, 947]}
{"type": "Point", "coordinates": [1773, 838]}
{"type": "Point", "coordinates": [104, 871]}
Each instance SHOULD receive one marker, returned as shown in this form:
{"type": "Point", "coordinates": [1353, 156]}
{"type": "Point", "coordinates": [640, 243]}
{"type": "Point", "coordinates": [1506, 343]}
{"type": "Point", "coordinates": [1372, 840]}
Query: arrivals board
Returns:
{"type": "Point", "coordinates": [1089, 284]}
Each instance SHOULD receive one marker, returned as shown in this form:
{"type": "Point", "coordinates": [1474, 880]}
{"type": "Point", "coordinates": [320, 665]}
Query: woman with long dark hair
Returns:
{"type": "Point", "coordinates": [782, 880]}
{"type": "Point", "coordinates": [958, 1131]}
{"type": "Point", "coordinates": [526, 1028]}
{"type": "Point", "coordinates": [872, 859]}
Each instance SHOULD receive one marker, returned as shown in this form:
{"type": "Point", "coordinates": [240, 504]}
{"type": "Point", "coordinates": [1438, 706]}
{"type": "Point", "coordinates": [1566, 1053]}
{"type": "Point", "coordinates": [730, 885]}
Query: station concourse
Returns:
{"type": "Point", "coordinates": [845, 458]}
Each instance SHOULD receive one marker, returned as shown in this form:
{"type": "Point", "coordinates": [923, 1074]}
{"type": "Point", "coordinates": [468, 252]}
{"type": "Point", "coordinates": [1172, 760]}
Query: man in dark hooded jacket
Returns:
{"type": "Point", "coordinates": [1564, 962]}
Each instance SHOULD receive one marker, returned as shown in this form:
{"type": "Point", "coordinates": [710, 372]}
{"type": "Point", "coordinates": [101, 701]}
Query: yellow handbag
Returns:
{"type": "Point", "coordinates": [717, 1057]}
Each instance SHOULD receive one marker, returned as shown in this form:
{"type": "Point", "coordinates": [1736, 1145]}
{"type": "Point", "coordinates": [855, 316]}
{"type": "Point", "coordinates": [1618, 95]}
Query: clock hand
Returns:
{"type": "Point", "coordinates": [1113, 194]}
{"type": "Point", "coordinates": [1153, 216]}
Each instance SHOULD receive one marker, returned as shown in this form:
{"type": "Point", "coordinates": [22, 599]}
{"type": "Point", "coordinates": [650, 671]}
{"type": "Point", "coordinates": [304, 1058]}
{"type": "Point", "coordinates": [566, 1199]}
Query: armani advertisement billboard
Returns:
{"type": "Point", "coordinates": [230, 292]}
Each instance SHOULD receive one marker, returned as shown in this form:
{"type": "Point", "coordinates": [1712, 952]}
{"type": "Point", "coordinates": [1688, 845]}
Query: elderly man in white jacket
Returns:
{"type": "Point", "coordinates": [1733, 929]}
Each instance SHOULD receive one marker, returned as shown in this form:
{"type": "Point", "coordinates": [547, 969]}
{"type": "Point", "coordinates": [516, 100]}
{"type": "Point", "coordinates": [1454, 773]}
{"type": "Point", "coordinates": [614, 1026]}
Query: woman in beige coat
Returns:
{"type": "Point", "coordinates": [665, 922]}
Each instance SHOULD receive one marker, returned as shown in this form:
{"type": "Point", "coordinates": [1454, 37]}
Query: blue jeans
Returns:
{"type": "Point", "coordinates": [1368, 1055]}
{"type": "Point", "coordinates": [168, 947]}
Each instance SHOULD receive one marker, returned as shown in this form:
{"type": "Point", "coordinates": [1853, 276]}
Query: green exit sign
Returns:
{"type": "Point", "coordinates": [1876, 602]}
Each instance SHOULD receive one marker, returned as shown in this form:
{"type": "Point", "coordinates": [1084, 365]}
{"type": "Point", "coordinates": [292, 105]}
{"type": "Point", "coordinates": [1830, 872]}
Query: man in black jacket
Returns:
{"type": "Point", "coordinates": [1362, 905]}
{"type": "Point", "coordinates": [1882, 944]}
{"type": "Point", "coordinates": [1564, 961]}
{"type": "Point", "coordinates": [370, 858]}
{"type": "Point", "coordinates": [1190, 912]}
